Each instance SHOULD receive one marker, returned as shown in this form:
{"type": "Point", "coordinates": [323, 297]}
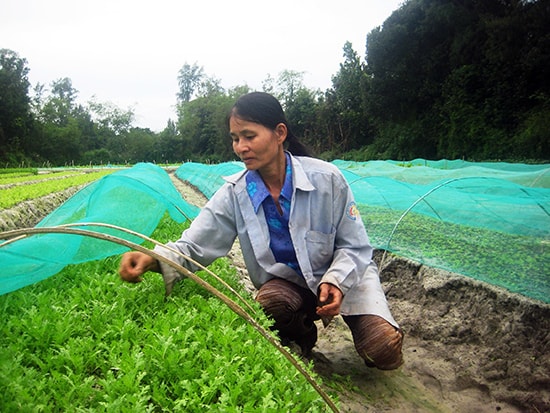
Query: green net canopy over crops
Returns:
{"type": "Point", "coordinates": [489, 221]}
{"type": "Point", "coordinates": [135, 198]}
{"type": "Point", "coordinates": [207, 178]}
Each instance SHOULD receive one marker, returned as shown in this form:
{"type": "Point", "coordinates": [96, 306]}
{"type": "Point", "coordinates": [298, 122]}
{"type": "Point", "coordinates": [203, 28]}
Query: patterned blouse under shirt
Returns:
{"type": "Point", "coordinates": [280, 242]}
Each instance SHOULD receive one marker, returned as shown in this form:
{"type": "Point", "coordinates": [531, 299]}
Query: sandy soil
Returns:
{"type": "Point", "coordinates": [469, 346]}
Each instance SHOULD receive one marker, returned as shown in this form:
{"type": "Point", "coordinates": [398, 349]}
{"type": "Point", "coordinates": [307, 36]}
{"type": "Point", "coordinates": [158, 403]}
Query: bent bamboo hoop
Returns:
{"type": "Point", "coordinates": [173, 250]}
{"type": "Point", "coordinates": [18, 234]}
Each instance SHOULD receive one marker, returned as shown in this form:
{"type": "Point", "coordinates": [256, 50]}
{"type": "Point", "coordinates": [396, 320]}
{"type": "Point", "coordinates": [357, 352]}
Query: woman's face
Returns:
{"type": "Point", "coordinates": [258, 146]}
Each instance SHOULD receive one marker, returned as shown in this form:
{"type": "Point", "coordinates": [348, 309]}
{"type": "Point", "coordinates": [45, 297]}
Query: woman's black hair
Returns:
{"type": "Point", "coordinates": [265, 109]}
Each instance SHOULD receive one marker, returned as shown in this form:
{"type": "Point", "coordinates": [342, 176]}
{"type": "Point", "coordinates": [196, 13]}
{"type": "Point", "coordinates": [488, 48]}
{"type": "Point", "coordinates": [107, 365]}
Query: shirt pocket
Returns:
{"type": "Point", "coordinates": [320, 247]}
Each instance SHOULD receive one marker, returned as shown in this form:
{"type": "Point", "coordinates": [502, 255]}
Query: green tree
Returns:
{"type": "Point", "coordinates": [203, 129]}
{"type": "Point", "coordinates": [61, 143]}
{"type": "Point", "coordinates": [449, 79]}
{"type": "Point", "coordinates": [203, 105]}
{"type": "Point", "coordinates": [62, 122]}
{"type": "Point", "coordinates": [109, 124]}
{"type": "Point", "coordinates": [15, 109]}
{"type": "Point", "coordinates": [61, 104]}
{"type": "Point", "coordinates": [289, 82]}
{"type": "Point", "coordinates": [299, 103]}
{"type": "Point", "coordinates": [189, 80]}
{"type": "Point", "coordinates": [301, 114]}
{"type": "Point", "coordinates": [170, 146]}
{"type": "Point", "coordinates": [209, 86]}
{"type": "Point", "coordinates": [268, 84]}
{"type": "Point", "coordinates": [140, 146]}
{"type": "Point", "coordinates": [110, 117]}
{"type": "Point", "coordinates": [407, 61]}
{"type": "Point", "coordinates": [69, 132]}
{"type": "Point", "coordinates": [347, 102]}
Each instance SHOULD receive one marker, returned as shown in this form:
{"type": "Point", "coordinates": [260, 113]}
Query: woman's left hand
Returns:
{"type": "Point", "coordinates": [330, 300]}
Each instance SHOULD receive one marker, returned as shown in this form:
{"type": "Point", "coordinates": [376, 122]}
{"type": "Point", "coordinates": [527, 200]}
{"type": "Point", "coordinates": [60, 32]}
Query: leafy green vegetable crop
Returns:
{"type": "Point", "coordinates": [16, 194]}
{"type": "Point", "coordinates": [21, 179]}
{"type": "Point", "coordinates": [17, 171]}
{"type": "Point", "coordinates": [517, 263]}
{"type": "Point", "coordinates": [85, 341]}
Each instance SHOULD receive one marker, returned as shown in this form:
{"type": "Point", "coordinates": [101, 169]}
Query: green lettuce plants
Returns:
{"type": "Point", "coordinates": [16, 194]}
{"type": "Point", "coordinates": [85, 341]}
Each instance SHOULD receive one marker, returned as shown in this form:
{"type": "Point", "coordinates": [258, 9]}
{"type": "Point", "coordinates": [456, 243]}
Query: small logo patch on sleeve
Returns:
{"type": "Point", "coordinates": [352, 212]}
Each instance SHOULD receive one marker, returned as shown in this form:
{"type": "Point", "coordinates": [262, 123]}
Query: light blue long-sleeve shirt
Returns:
{"type": "Point", "coordinates": [328, 234]}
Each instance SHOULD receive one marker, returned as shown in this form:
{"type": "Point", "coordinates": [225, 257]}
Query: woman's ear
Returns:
{"type": "Point", "coordinates": [281, 131]}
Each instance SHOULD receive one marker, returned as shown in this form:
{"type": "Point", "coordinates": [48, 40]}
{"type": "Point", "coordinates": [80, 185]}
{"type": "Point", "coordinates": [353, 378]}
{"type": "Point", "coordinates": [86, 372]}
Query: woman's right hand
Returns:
{"type": "Point", "coordinates": [134, 263]}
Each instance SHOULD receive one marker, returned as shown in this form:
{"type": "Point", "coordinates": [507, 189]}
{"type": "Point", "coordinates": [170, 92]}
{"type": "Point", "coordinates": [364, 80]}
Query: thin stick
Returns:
{"type": "Point", "coordinates": [175, 251]}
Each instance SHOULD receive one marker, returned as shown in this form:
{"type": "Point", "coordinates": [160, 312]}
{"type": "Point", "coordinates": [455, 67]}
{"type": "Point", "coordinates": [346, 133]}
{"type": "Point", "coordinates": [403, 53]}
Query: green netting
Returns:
{"type": "Point", "coordinates": [421, 171]}
{"type": "Point", "coordinates": [207, 178]}
{"type": "Point", "coordinates": [479, 202]}
{"type": "Point", "coordinates": [489, 221]}
{"type": "Point", "coordinates": [136, 199]}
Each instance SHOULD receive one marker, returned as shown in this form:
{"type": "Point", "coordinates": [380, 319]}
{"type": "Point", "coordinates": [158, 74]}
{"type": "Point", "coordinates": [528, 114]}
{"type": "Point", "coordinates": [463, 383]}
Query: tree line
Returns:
{"type": "Point", "coordinates": [439, 79]}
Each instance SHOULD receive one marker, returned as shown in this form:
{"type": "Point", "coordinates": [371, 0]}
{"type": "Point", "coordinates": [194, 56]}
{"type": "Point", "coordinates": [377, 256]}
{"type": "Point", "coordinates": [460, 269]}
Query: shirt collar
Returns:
{"type": "Point", "coordinates": [258, 192]}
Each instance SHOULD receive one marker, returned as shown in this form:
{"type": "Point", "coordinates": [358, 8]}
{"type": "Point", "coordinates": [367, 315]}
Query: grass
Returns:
{"type": "Point", "coordinates": [84, 341]}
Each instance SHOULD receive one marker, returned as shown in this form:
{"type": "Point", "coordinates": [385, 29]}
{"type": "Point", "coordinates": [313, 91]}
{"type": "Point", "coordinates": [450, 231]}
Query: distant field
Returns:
{"type": "Point", "coordinates": [19, 186]}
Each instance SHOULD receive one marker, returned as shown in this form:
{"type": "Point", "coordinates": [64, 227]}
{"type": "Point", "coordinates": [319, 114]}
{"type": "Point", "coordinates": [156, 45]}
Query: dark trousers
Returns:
{"type": "Point", "coordinates": [293, 310]}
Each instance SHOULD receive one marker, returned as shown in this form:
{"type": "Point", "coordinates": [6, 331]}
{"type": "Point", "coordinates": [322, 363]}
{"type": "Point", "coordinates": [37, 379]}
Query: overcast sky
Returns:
{"type": "Point", "coordinates": [129, 52]}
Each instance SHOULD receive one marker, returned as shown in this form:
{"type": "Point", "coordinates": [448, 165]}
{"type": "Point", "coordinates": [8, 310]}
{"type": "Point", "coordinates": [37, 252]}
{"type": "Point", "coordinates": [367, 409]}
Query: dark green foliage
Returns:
{"type": "Point", "coordinates": [15, 117]}
{"type": "Point", "coordinates": [85, 341]}
{"type": "Point", "coordinates": [202, 123]}
{"type": "Point", "coordinates": [440, 79]}
{"type": "Point", "coordinates": [13, 172]}
{"type": "Point", "coordinates": [461, 79]}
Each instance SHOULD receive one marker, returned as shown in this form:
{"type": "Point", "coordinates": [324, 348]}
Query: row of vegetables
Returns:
{"type": "Point", "coordinates": [84, 341]}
